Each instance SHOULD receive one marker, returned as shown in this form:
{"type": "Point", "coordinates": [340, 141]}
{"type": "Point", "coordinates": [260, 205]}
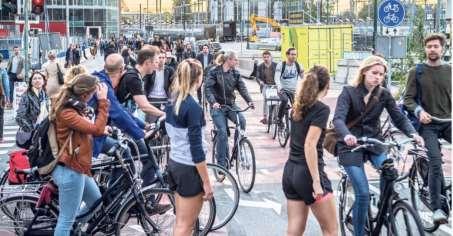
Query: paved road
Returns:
{"type": "Point", "coordinates": [263, 211]}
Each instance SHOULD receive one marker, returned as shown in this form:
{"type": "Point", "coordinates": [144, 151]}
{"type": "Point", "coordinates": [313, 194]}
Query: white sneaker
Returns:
{"type": "Point", "coordinates": [439, 217]}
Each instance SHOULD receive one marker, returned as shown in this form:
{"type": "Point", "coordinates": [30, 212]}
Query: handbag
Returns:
{"type": "Point", "coordinates": [60, 75]}
{"type": "Point", "coordinates": [331, 136]}
{"type": "Point", "coordinates": [23, 138]}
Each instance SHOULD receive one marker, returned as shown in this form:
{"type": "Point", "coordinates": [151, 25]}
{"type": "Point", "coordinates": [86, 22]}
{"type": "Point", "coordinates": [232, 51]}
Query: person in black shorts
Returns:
{"type": "Point", "coordinates": [305, 183]}
{"type": "Point", "coordinates": [187, 168]}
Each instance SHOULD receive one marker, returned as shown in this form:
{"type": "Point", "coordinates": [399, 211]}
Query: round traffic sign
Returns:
{"type": "Point", "coordinates": [391, 13]}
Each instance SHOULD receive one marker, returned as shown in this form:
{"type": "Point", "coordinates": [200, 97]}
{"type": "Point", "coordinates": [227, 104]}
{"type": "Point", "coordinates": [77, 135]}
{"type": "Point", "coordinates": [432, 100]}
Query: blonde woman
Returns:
{"type": "Point", "coordinates": [187, 169]}
{"type": "Point", "coordinates": [366, 100]}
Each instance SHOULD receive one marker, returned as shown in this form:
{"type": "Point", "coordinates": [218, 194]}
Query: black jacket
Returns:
{"type": "Point", "coordinates": [75, 56]}
{"type": "Point", "coordinates": [350, 105]}
{"type": "Point", "coordinates": [188, 54]}
{"type": "Point", "coordinates": [29, 109]}
{"type": "Point", "coordinates": [260, 72]}
{"type": "Point", "coordinates": [221, 90]}
{"type": "Point", "coordinates": [150, 79]}
{"type": "Point", "coordinates": [200, 58]}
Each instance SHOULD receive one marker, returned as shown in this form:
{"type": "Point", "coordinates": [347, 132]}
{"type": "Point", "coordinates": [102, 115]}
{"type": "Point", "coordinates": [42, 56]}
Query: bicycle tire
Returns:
{"type": "Point", "coordinates": [408, 212]}
{"type": "Point", "coordinates": [344, 207]}
{"type": "Point", "coordinates": [419, 198]}
{"type": "Point", "coordinates": [269, 118]}
{"type": "Point", "coordinates": [274, 122]}
{"type": "Point", "coordinates": [246, 185]}
{"type": "Point", "coordinates": [227, 203]}
{"type": "Point", "coordinates": [283, 132]}
{"type": "Point", "coordinates": [46, 221]}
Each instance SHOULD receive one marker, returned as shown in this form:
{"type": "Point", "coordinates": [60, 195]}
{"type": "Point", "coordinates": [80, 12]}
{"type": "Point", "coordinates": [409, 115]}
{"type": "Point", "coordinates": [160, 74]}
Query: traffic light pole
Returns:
{"type": "Point", "coordinates": [26, 40]}
{"type": "Point", "coordinates": [375, 24]}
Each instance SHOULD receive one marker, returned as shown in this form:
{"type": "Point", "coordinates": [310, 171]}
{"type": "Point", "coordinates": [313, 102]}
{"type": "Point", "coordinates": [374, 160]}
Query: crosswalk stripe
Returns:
{"type": "Point", "coordinates": [3, 152]}
{"type": "Point", "coordinates": [7, 145]}
{"type": "Point", "coordinates": [12, 132]}
{"type": "Point", "coordinates": [11, 127]}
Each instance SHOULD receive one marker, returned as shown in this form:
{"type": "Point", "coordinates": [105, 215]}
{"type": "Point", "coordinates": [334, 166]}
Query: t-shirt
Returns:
{"type": "Point", "coordinates": [317, 115]}
{"type": "Point", "coordinates": [158, 90]}
{"type": "Point", "coordinates": [287, 79]}
{"type": "Point", "coordinates": [131, 84]}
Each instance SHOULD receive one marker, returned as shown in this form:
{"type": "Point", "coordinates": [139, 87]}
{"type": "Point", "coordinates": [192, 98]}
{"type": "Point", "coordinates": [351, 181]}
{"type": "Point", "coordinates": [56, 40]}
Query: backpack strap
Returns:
{"type": "Point", "coordinates": [283, 69]}
{"type": "Point", "coordinates": [298, 68]}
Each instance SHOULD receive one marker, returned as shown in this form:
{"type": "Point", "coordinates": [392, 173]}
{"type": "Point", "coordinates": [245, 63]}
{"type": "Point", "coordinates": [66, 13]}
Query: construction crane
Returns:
{"type": "Point", "coordinates": [254, 19]}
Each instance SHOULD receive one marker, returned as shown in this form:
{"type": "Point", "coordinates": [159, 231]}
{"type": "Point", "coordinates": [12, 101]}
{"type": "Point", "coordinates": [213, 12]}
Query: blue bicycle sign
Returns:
{"type": "Point", "coordinates": [391, 13]}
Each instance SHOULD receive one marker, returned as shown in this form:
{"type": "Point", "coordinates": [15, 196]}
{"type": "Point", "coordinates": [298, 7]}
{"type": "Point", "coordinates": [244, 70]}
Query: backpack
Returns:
{"type": "Point", "coordinates": [44, 151]}
{"type": "Point", "coordinates": [418, 98]}
{"type": "Point", "coordinates": [17, 160]}
{"type": "Point", "coordinates": [284, 66]}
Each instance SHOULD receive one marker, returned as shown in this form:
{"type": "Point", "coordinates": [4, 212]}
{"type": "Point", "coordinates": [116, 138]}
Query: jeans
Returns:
{"type": "Point", "coordinates": [359, 182]}
{"type": "Point", "coordinates": [431, 133]}
{"type": "Point", "coordinates": [12, 79]}
{"type": "Point", "coordinates": [219, 117]}
{"type": "Point", "coordinates": [285, 97]}
{"type": "Point", "coordinates": [7, 92]}
{"type": "Point", "coordinates": [148, 174]}
{"type": "Point", "coordinates": [73, 188]}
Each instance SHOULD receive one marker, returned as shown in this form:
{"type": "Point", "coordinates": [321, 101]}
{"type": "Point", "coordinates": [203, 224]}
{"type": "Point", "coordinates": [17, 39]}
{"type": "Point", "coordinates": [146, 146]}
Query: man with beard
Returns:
{"type": "Point", "coordinates": [429, 95]}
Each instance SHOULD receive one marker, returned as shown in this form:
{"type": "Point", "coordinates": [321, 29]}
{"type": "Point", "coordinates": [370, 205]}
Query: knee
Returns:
{"type": "Point", "coordinates": [362, 196]}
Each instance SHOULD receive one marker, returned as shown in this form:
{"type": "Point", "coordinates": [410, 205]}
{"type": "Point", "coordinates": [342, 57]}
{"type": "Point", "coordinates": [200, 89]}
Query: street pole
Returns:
{"type": "Point", "coordinates": [26, 40]}
{"type": "Point", "coordinates": [140, 16]}
{"type": "Point", "coordinates": [67, 23]}
{"type": "Point", "coordinates": [375, 24]}
{"type": "Point", "coordinates": [438, 13]}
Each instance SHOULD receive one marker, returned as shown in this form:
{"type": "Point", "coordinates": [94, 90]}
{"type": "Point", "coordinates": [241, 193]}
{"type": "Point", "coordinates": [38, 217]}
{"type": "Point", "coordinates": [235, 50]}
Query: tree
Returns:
{"type": "Point", "coordinates": [366, 11]}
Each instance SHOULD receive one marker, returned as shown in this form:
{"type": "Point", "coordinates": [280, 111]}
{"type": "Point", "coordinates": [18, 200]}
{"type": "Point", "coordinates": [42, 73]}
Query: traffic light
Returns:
{"type": "Point", "coordinates": [37, 7]}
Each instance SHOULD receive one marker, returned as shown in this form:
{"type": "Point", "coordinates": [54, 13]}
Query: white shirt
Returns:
{"type": "Point", "coordinates": [158, 90]}
{"type": "Point", "coordinates": [15, 64]}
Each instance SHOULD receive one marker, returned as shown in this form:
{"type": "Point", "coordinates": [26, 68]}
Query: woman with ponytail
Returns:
{"type": "Point", "coordinates": [74, 131]}
{"type": "Point", "coordinates": [305, 183]}
{"type": "Point", "coordinates": [187, 168]}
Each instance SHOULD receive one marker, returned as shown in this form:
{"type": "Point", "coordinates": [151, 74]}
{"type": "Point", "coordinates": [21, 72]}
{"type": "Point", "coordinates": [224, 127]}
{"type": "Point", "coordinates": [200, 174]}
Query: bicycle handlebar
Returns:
{"type": "Point", "coordinates": [370, 142]}
{"type": "Point", "coordinates": [157, 126]}
{"type": "Point", "coordinates": [235, 110]}
{"type": "Point", "coordinates": [441, 120]}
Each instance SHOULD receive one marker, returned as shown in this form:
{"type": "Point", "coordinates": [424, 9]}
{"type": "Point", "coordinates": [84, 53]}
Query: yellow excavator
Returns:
{"type": "Point", "coordinates": [254, 18]}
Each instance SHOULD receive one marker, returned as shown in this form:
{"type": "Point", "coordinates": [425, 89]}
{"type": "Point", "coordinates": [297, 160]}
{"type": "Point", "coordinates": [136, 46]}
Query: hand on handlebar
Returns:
{"type": "Point", "coordinates": [425, 117]}
{"type": "Point", "coordinates": [107, 130]}
{"type": "Point", "coordinates": [216, 106]}
{"type": "Point", "coordinates": [419, 140]}
{"type": "Point", "coordinates": [252, 105]}
{"type": "Point", "coordinates": [350, 140]}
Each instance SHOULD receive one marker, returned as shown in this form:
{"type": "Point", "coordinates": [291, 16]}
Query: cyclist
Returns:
{"type": "Point", "coordinates": [74, 130]}
{"type": "Point", "coordinates": [365, 100]}
{"type": "Point", "coordinates": [265, 74]}
{"type": "Point", "coordinates": [305, 183]}
{"type": "Point", "coordinates": [157, 85]}
{"type": "Point", "coordinates": [434, 100]}
{"type": "Point", "coordinates": [286, 76]}
{"type": "Point", "coordinates": [221, 82]}
{"type": "Point", "coordinates": [187, 168]}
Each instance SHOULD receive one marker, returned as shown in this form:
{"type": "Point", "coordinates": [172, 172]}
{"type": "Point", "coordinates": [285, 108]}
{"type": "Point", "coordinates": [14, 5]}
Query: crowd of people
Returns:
{"type": "Point", "coordinates": [140, 76]}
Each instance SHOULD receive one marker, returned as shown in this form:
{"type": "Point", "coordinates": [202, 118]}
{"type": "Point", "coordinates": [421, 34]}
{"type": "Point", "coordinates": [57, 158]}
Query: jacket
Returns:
{"type": "Point", "coordinates": [29, 109]}
{"type": "Point", "coordinates": [350, 104]}
{"type": "Point", "coordinates": [210, 59]}
{"type": "Point", "coordinates": [149, 80]}
{"type": "Point", "coordinates": [221, 90]}
{"type": "Point", "coordinates": [76, 55]}
{"type": "Point", "coordinates": [118, 116]}
{"type": "Point", "coordinates": [70, 119]}
{"type": "Point", "coordinates": [53, 85]}
{"type": "Point", "coordinates": [188, 54]}
{"type": "Point", "coordinates": [260, 72]}
{"type": "Point", "coordinates": [20, 66]}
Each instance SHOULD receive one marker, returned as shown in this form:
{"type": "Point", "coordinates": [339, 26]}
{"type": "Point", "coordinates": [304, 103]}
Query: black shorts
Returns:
{"type": "Point", "coordinates": [298, 184]}
{"type": "Point", "coordinates": [184, 179]}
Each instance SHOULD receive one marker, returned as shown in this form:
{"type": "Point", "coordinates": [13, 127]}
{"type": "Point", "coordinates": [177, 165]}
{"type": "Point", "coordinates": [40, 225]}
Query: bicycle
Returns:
{"type": "Point", "coordinates": [109, 215]}
{"type": "Point", "coordinates": [418, 184]}
{"type": "Point", "coordinates": [242, 153]}
{"type": "Point", "coordinates": [271, 100]}
{"type": "Point", "coordinates": [390, 205]}
{"type": "Point", "coordinates": [284, 127]}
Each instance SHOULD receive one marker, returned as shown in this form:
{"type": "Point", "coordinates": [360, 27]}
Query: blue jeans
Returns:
{"type": "Point", "coordinates": [73, 188]}
{"type": "Point", "coordinates": [359, 182]}
{"type": "Point", "coordinates": [219, 117]}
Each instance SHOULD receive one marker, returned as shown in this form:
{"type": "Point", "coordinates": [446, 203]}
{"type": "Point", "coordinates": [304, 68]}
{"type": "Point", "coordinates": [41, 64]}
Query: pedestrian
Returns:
{"type": "Point", "coordinates": [206, 59]}
{"type": "Point", "coordinates": [73, 72]}
{"type": "Point", "coordinates": [129, 59]}
{"type": "Point", "coordinates": [305, 184]}
{"type": "Point", "coordinates": [70, 56]}
{"type": "Point", "coordinates": [265, 73]}
{"type": "Point", "coordinates": [54, 74]}
{"type": "Point", "coordinates": [5, 83]}
{"type": "Point", "coordinates": [15, 69]}
{"type": "Point", "coordinates": [77, 56]}
{"type": "Point", "coordinates": [427, 96]}
{"type": "Point", "coordinates": [188, 52]}
{"type": "Point", "coordinates": [179, 50]}
{"type": "Point", "coordinates": [357, 114]}
{"type": "Point", "coordinates": [187, 168]}
{"type": "Point", "coordinates": [74, 133]}
{"type": "Point", "coordinates": [34, 103]}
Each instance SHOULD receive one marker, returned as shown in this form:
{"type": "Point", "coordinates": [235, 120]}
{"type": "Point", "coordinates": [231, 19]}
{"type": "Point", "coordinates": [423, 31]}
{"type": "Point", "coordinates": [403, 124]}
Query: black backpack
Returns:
{"type": "Point", "coordinates": [418, 98]}
{"type": "Point", "coordinates": [44, 150]}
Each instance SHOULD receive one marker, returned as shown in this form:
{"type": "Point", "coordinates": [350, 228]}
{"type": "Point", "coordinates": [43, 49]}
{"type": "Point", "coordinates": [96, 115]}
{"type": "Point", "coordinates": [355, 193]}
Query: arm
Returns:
{"type": "Point", "coordinates": [22, 113]}
{"type": "Point", "coordinates": [411, 94]}
{"type": "Point", "coordinates": [243, 90]}
{"type": "Point", "coordinates": [341, 113]}
{"type": "Point", "coordinates": [400, 120]}
{"type": "Point", "coordinates": [70, 118]}
{"type": "Point", "coordinates": [311, 154]}
{"type": "Point", "coordinates": [145, 106]}
{"type": "Point", "coordinates": [210, 83]}
{"type": "Point", "coordinates": [277, 75]}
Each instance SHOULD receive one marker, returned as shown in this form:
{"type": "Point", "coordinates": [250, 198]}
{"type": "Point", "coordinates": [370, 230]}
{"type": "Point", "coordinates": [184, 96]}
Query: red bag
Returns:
{"type": "Point", "coordinates": [17, 160]}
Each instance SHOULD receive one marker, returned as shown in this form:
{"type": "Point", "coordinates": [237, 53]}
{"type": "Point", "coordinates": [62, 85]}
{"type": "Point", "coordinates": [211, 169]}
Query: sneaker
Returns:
{"type": "Point", "coordinates": [439, 217]}
{"type": "Point", "coordinates": [158, 208]}
{"type": "Point", "coordinates": [220, 177]}
{"type": "Point", "coordinates": [263, 120]}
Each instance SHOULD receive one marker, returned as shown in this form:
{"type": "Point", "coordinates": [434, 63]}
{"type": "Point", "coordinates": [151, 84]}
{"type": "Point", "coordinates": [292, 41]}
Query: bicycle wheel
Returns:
{"type": "Point", "coordinates": [346, 201]}
{"type": "Point", "coordinates": [283, 131]}
{"type": "Point", "coordinates": [226, 195]}
{"type": "Point", "coordinates": [245, 165]}
{"type": "Point", "coordinates": [420, 197]}
{"type": "Point", "coordinates": [269, 118]}
{"type": "Point", "coordinates": [274, 122]}
{"type": "Point", "coordinates": [19, 213]}
{"type": "Point", "coordinates": [405, 221]}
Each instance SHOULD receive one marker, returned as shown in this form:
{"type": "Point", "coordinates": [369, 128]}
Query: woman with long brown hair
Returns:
{"type": "Point", "coordinates": [305, 183]}
{"type": "Point", "coordinates": [74, 131]}
{"type": "Point", "coordinates": [187, 168]}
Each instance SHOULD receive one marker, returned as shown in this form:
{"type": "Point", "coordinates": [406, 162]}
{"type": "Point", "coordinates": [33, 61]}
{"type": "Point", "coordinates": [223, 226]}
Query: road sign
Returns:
{"type": "Point", "coordinates": [391, 13]}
